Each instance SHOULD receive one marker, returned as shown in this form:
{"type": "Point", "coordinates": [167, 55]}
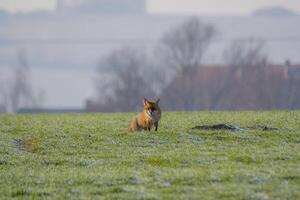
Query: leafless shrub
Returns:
{"type": "Point", "coordinates": [245, 85]}
{"type": "Point", "coordinates": [182, 49]}
{"type": "Point", "coordinates": [124, 80]}
{"type": "Point", "coordinates": [18, 92]}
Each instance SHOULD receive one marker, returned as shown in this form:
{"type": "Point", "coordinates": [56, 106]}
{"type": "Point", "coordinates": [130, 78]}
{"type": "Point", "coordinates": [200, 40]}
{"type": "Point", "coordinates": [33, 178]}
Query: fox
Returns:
{"type": "Point", "coordinates": [148, 118]}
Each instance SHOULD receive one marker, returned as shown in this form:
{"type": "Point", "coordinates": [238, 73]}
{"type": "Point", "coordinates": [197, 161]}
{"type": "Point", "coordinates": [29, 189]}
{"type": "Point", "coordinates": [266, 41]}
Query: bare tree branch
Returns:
{"type": "Point", "coordinates": [123, 81]}
{"type": "Point", "coordinates": [182, 49]}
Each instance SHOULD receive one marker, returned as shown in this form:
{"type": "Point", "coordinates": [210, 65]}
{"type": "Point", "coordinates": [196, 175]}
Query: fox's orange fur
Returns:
{"type": "Point", "coordinates": [148, 118]}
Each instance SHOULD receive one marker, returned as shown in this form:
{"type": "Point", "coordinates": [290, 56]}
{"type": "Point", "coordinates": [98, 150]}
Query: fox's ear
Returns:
{"type": "Point", "coordinates": [157, 101]}
{"type": "Point", "coordinates": [145, 101]}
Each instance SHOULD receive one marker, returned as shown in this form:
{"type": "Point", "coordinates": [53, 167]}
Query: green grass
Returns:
{"type": "Point", "coordinates": [92, 156]}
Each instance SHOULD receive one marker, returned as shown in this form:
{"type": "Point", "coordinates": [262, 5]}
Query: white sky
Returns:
{"type": "Point", "coordinates": [27, 5]}
{"type": "Point", "coordinates": [170, 6]}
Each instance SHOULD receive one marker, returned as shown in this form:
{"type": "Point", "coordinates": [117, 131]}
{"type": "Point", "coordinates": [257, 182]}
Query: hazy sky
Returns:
{"type": "Point", "coordinates": [219, 6]}
{"type": "Point", "coordinates": [171, 6]}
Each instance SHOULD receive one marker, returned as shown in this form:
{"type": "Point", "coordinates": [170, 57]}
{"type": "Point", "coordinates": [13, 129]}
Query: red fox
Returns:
{"type": "Point", "coordinates": [146, 119]}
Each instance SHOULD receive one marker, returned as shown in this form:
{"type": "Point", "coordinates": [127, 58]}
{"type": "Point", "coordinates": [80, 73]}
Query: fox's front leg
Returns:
{"type": "Point", "coordinates": [156, 126]}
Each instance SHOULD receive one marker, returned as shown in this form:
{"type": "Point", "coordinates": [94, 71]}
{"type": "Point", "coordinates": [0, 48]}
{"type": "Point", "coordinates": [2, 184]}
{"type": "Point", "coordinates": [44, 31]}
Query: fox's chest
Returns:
{"type": "Point", "coordinates": [153, 117]}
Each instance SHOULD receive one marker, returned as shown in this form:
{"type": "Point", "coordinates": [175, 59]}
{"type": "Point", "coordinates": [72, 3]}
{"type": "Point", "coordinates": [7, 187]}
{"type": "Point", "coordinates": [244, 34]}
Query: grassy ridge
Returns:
{"type": "Point", "coordinates": [91, 156]}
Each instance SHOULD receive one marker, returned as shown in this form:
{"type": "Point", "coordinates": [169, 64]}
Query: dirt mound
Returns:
{"type": "Point", "coordinates": [234, 128]}
{"type": "Point", "coordinates": [218, 127]}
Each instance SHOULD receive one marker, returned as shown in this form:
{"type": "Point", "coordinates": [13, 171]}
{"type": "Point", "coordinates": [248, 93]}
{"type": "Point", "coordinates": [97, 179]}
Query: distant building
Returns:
{"type": "Point", "coordinates": [213, 83]}
{"type": "Point", "coordinates": [102, 6]}
{"type": "Point", "coordinates": [293, 72]}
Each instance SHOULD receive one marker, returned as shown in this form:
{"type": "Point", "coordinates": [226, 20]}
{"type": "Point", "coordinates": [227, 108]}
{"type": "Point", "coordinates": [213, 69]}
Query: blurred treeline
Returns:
{"type": "Point", "coordinates": [173, 71]}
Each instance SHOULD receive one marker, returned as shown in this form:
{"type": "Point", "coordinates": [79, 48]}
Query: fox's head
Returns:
{"type": "Point", "coordinates": [151, 107]}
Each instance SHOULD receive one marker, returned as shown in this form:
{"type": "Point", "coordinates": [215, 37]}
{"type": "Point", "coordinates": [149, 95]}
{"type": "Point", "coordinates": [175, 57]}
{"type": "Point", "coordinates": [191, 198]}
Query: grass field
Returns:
{"type": "Point", "coordinates": [91, 156]}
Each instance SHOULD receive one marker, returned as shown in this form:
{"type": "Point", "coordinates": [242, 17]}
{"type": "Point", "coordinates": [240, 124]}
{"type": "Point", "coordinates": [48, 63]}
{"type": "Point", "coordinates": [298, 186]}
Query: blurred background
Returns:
{"type": "Point", "coordinates": [107, 55]}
